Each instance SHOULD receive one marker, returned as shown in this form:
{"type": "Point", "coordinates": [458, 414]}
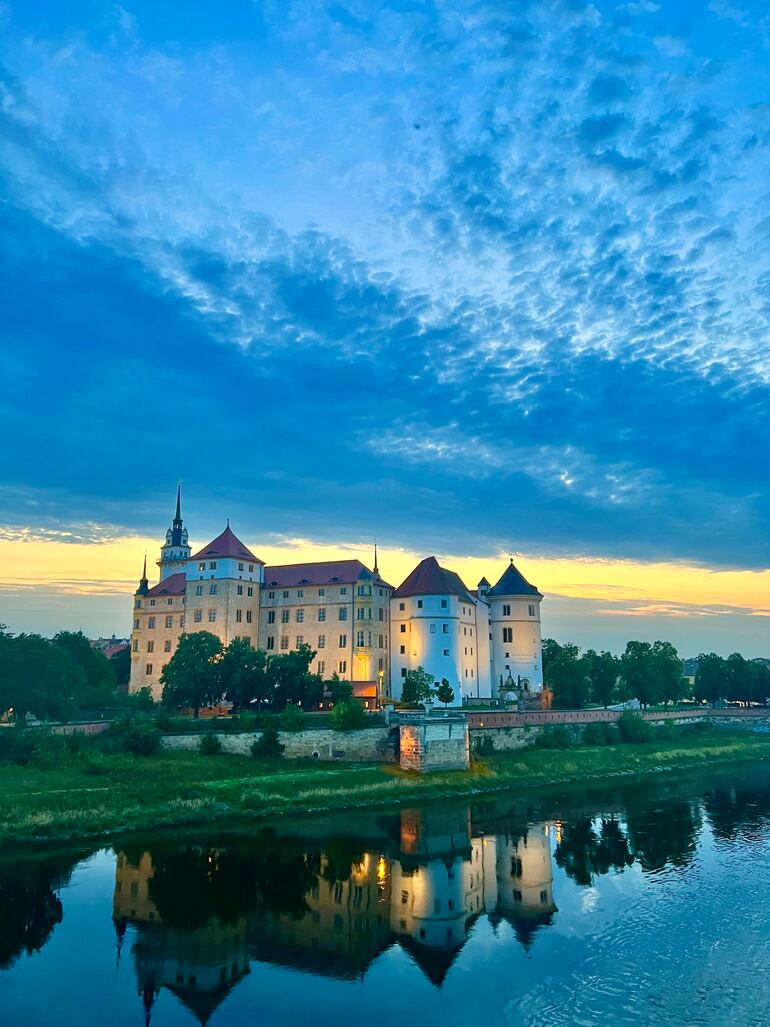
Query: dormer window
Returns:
{"type": "Point", "coordinates": [202, 565]}
{"type": "Point", "coordinates": [212, 565]}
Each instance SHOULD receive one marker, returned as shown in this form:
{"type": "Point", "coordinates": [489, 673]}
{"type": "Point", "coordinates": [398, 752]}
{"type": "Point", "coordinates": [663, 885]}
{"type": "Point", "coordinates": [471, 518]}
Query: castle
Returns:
{"type": "Point", "coordinates": [484, 641]}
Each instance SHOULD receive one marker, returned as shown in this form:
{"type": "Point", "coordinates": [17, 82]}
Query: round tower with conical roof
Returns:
{"type": "Point", "coordinates": [514, 626]}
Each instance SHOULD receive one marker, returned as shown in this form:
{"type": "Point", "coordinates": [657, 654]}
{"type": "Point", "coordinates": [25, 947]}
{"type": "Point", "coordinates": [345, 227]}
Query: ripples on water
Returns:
{"type": "Point", "coordinates": [646, 905]}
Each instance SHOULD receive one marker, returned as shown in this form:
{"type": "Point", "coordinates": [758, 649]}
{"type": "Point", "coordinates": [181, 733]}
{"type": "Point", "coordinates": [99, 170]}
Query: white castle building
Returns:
{"type": "Point", "coordinates": [485, 641]}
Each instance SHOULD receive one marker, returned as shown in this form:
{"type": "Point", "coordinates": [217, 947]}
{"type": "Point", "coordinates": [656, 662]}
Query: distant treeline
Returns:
{"type": "Point", "coordinates": [650, 672]}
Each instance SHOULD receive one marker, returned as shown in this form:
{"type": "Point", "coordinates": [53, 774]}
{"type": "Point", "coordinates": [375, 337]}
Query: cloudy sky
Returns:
{"type": "Point", "coordinates": [466, 277]}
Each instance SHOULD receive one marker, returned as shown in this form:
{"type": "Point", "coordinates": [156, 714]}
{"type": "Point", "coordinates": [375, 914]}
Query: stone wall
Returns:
{"type": "Point", "coordinates": [367, 745]}
{"type": "Point", "coordinates": [427, 746]}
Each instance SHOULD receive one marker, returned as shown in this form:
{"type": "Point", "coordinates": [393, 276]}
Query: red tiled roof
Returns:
{"type": "Point", "coordinates": [322, 572]}
{"type": "Point", "coordinates": [430, 579]}
{"type": "Point", "coordinates": [173, 585]}
{"type": "Point", "coordinates": [226, 546]}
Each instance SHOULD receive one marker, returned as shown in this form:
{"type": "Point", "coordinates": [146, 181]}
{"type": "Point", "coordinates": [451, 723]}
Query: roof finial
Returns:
{"type": "Point", "coordinates": [376, 568]}
{"type": "Point", "coordinates": [178, 514]}
{"type": "Point", "coordinates": [144, 569]}
{"type": "Point", "coordinates": [228, 522]}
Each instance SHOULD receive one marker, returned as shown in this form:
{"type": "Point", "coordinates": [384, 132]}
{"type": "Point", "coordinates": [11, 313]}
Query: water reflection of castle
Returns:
{"type": "Point", "coordinates": [422, 890]}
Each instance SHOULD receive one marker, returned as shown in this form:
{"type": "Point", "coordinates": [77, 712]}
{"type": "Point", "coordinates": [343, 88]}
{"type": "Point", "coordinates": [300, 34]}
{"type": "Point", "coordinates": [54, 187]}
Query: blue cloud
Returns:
{"type": "Point", "coordinates": [454, 277]}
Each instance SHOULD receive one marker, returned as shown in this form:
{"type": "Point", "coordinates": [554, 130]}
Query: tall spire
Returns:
{"type": "Point", "coordinates": [178, 514]}
{"type": "Point", "coordinates": [144, 585]}
{"type": "Point", "coordinates": [376, 568]}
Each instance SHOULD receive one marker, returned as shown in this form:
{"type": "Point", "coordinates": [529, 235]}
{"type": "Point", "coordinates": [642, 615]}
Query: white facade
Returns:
{"type": "Point", "coordinates": [514, 629]}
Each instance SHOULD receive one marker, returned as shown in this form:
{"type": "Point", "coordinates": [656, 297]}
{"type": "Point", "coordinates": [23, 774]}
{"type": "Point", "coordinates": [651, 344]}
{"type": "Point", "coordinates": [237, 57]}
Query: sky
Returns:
{"type": "Point", "coordinates": [470, 278]}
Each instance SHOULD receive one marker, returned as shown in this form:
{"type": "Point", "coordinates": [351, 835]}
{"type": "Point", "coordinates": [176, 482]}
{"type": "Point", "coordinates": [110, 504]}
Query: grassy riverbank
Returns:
{"type": "Point", "coordinates": [101, 796]}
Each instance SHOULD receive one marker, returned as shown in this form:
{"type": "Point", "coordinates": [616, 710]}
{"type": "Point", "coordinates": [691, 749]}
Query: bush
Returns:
{"type": "Point", "coordinates": [292, 719]}
{"type": "Point", "coordinates": [16, 744]}
{"type": "Point", "coordinates": [137, 735]}
{"type": "Point", "coordinates": [50, 751]}
{"type": "Point", "coordinates": [633, 729]}
{"type": "Point", "coordinates": [600, 734]}
{"type": "Point", "coordinates": [484, 746]}
{"type": "Point", "coordinates": [347, 716]}
{"type": "Point", "coordinates": [555, 736]}
{"type": "Point", "coordinates": [269, 744]}
{"type": "Point", "coordinates": [210, 745]}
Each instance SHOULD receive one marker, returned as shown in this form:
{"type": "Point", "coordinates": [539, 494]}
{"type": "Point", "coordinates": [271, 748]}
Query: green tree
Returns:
{"type": "Point", "coordinates": [552, 649]}
{"type": "Point", "coordinates": [759, 674]}
{"type": "Point", "coordinates": [121, 665]}
{"type": "Point", "coordinates": [337, 690]}
{"type": "Point", "coordinates": [568, 679]}
{"type": "Point", "coordinates": [710, 677]}
{"type": "Point", "coordinates": [290, 681]}
{"type": "Point", "coordinates": [98, 675]}
{"type": "Point", "coordinates": [243, 674]}
{"type": "Point", "coordinates": [602, 670]}
{"type": "Point", "coordinates": [668, 667]}
{"type": "Point", "coordinates": [640, 671]}
{"type": "Point", "coordinates": [37, 677]}
{"type": "Point", "coordinates": [417, 687]}
{"type": "Point", "coordinates": [445, 693]}
{"type": "Point", "coordinates": [269, 744]}
{"type": "Point", "coordinates": [191, 677]}
{"type": "Point", "coordinates": [740, 681]}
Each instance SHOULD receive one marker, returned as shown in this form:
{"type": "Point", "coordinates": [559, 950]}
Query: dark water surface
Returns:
{"type": "Point", "coordinates": [638, 905]}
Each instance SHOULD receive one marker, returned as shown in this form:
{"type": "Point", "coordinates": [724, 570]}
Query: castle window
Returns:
{"type": "Point", "coordinates": [322, 613]}
{"type": "Point", "coordinates": [433, 629]}
{"type": "Point", "coordinates": [150, 622]}
{"type": "Point", "coordinates": [506, 610]}
{"type": "Point", "coordinates": [167, 646]}
{"type": "Point", "coordinates": [239, 590]}
{"type": "Point", "coordinates": [250, 591]}
{"type": "Point", "coordinates": [300, 641]}
{"type": "Point", "coordinates": [300, 593]}
{"type": "Point", "coordinates": [198, 616]}
{"type": "Point", "coordinates": [322, 641]}
{"type": "Point", "coordinates": [402, 606]}
{"type": "Point", "coordinates": [343, 591]}
{"type": "Point", "coordinates": [516, 895]}
{"type": "Point", "coordinates": [170, 602]}
{"type": "Point", "coordinates": [343, 666]}
{"type": "Point", "coordinates": [212, 615]}
{"type": "Point", "coordinates": [444, 604]}
{"type": "Point", "coordinates": [343, 641]}
{"type": "Point", "coordinates": [343, 613]}
{"type": "Point", "coordinates": [284, 616]}
{"type": "Point", "coordinates": [380, 642]}
{"type": "Point", "coordinates": [403, 629]}
{"type": "Point", "coordinates": [360, 638]}
{"type": "Point", "coordinates": [403, 672]}
{"type": "Point", "coordinates": [271, 616]}
{"type": "Point", "coordinates": [380, 614]}
{"type": "Point", "coordinates": [271, 595]}
{"type": "Point", "coordinates": [202, 565]}
{"type": "Point", "coordinates": [507, 634]}
{"type": "Point", "coordinates": [240, 566]}
{"type": "Point", "coordinates": [169, 621]}
{"type": "Point", "coordinates": [212, 565]}
{"type": "Point", "coordinates": [238, 616]}
{"type": "Point", "coordinates": [148, 668]}
{"type": "Point", "coordinates": [271, 641]}
{"type": "Point", "coordinates": [419, 604]}
{"type": "Point", "coordinates": [284, 641]}
{"type": "Point", "coordinates": [199, 590]}
{"type": "Point", "coordinates": [248, 616]}
{"type": "Point", "coordinates": [321, 667]}
{"type": "Point", "coordinates": [446, 652]}
{"type": "Point", "coordinates": [361, 613]}
{"type": "Point", "coordinates": [138, 604]}
{"type": "Point", "coordinates": [381, 664]}
{"type": "Point", "coordinates": [300, 616]}
{"type": "Point", "coordinates": [402, 649]}
{"type": "Point", "coordinates": [213, 590]}
{"type": "Point", "coordinates": [135, 647]}
{"type": "Point", "coordinates": [532, 611]}
{"type": "Point", "coordinates": [322, 591]}
{"type": "Point", "coordinates": [471, 671]}
{"type": "Point", "coordinates": [544, 897]}
{"type": "Point", "coordinates": [286, 594]}
{"type": "Point", "coordinates": [445, 629]}
{"type": "Point", "coordinates": [152, 602]}
{"type": "Point", "coordinates": [181, 621]}
{"type": "Point", "coordinates": [136, 623]}
{"type": "Point", "coordinates": [251, 568]}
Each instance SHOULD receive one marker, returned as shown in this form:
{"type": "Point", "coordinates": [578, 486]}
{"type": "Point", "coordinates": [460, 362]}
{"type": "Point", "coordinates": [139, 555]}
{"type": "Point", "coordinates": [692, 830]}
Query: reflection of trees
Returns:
{"type": "Point", "coordinates": [29, 905]}
{"type": "Point", "coordinates": [584, 850]}
{"type": "Point", "coordinates": [192, 884]}
{"type": "Point", "coordinates": [664, 833]}
{"type": "Point", "coordinates": [737, 808]}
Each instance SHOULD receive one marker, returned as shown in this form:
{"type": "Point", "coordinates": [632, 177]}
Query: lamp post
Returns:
{"type": "Point", "coordinates": [379, 688]}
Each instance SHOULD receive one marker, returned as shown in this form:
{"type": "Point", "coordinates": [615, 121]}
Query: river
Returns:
{"type": "Point", "coordinates": [644, 904]}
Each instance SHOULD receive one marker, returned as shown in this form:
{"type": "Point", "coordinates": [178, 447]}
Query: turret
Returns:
{"type": "Point", "coordinates": [514, 621]}
{"type": "Point", "coordinates": [176, 551]}
{"type": "Point", "coordinates": [144, 585]}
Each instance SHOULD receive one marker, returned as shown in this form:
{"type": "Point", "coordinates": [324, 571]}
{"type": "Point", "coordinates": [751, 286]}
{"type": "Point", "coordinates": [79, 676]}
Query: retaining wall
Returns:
{"type": "Point", "coordinates": [368, 744]}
